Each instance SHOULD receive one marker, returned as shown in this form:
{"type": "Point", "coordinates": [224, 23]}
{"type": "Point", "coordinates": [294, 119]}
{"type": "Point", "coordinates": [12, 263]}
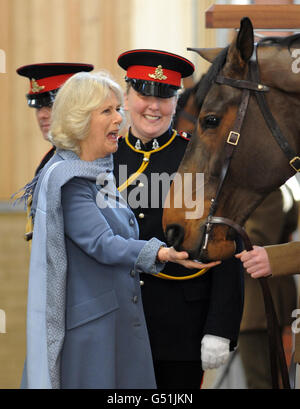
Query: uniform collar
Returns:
{"type": "Point", "coordinates": [162, 140]}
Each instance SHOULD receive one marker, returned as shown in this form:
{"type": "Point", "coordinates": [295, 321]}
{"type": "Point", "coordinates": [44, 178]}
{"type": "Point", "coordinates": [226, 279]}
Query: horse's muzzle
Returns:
{"type": "Point", "coordinates": [175, 235]}
{"type": "Point", "coordinates": [215, 245]}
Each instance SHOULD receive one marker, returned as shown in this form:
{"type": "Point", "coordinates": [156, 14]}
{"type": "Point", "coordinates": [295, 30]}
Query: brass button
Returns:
{"type": "Point", "coordinates": [141, 215]}
{"type": "Point", "coordinates": [141, 283]}
{"type": "Point", "coordinates": [141, 184]}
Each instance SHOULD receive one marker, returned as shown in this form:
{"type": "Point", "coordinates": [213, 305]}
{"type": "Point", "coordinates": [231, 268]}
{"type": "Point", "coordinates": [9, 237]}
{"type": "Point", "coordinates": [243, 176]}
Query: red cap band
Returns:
{"type": "Point", "coordinates": [157, 74]}
{"type": "Point", "coordinates": [48, 83]}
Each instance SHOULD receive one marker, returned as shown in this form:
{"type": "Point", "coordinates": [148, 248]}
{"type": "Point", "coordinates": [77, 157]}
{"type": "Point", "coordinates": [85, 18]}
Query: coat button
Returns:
{"type": "Point", "coordinates": [131, 222]}
{"type": "Point", "coordinates": [141, 282]}
{"type": "Point", "coordinates": [135, 299]}
{"type": "Point", "coordinates": [132, 273]}
{"type": "Point", "coordinates": [141, 215]}
{"type": "Point", "coordinates": [141, 184]}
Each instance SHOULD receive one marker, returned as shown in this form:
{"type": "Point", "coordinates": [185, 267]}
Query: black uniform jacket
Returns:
{"type": "Point", "coordinates": [178, 313]}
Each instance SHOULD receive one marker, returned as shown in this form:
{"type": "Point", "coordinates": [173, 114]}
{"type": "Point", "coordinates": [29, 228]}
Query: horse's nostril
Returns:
{"type": "Point", "coordinates": [170, 233]}
{"type": "Point", "coordinates": [174, 235]}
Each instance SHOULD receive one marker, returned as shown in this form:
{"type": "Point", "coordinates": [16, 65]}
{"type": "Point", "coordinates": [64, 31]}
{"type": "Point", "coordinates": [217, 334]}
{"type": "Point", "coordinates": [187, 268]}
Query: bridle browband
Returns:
{"type": "Point", "coordinates": [252, 84]}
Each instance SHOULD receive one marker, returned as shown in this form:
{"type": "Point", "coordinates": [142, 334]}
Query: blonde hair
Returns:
{"type": "Point", "coordinates": [74, 103]}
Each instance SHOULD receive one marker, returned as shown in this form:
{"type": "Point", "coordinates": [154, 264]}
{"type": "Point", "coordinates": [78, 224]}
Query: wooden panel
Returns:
{"type": "Point", "coordinates": [6, 152]}
{"type": "Point", "coordinates": [91, 21]}
{"type": "Point", "coordinates": [35, 31]}
{"type": "Point", "coordinates": [14, 261]}
{"type": "Point", "coordinates": [206, 37]}
{"type": "Point", "coordinates": [72, 30]}
{"type": "Point", "coordinates": [262, 16]}
{"type": "Point", "coordinates": [271, 33]}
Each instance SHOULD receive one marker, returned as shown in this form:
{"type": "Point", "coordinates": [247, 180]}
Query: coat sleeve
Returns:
{"type": "Point", "coordinates": [226, 301]}
{"type": "Point", "coordinates": [284, 258]}
{"type": "Point", "coordinates": [87, 227]}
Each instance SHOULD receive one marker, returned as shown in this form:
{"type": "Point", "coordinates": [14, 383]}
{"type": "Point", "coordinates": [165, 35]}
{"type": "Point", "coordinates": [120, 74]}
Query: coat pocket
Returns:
{"type": "Point", "coordinates": [91, 309]}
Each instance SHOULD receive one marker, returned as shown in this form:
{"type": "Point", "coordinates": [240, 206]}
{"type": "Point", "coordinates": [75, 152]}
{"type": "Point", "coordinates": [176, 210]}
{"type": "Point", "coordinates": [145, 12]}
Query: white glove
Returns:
{"type": "Point", "coordinates": [214, 351]}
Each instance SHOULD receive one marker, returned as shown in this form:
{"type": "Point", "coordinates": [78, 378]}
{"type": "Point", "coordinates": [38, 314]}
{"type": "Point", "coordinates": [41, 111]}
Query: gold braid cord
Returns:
{"type": "Point", "coordinates": [146, 160]}
{"type": "Point", "coordinates": [189, 277]}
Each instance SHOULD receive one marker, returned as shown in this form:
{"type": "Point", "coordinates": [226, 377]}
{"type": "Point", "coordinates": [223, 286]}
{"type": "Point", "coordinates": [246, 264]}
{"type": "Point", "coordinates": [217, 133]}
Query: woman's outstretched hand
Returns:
{"type": "Point", "coordinates": [181, 257]}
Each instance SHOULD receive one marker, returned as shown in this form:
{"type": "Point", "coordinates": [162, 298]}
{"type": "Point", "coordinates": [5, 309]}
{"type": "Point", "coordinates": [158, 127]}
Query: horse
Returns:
{"type": "Point", "coordinates": [232, 131]}
{"type": "Point", "coordinates": [245, 142]}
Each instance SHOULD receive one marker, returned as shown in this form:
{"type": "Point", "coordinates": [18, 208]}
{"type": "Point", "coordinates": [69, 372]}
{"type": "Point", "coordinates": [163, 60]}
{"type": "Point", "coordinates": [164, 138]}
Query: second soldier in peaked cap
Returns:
{"type": "Point", "coordinates": [45, 79]}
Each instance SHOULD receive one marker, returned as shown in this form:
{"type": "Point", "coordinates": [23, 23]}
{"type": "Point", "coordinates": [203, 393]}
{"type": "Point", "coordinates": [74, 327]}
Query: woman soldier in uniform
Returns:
{"type": "Point", "coordinates": [183, 316]}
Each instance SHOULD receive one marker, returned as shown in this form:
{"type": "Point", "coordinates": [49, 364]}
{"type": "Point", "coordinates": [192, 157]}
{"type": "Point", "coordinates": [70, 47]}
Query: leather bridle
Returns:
{"type": "Point", "coordinates": [252, 84]}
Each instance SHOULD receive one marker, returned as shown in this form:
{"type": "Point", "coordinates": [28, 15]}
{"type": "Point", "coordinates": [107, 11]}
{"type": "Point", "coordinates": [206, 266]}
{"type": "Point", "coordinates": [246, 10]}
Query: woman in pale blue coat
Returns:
{"type": "Point", "coordinates": [85, 319]}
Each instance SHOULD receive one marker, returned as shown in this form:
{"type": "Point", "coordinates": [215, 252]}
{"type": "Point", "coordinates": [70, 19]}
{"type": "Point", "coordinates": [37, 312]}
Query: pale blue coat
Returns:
{"type": "Point", "coordinates": [97, 336]}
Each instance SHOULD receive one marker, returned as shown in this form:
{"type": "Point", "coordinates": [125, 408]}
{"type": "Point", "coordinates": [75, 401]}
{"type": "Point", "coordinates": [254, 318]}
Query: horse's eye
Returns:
{"type": "Point", "coordinates": [210, 121]}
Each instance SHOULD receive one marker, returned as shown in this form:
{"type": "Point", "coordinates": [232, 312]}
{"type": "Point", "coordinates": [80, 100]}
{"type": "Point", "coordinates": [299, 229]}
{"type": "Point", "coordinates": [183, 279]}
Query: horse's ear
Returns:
{"type": "Point", "coordinates": [245, 39]}
{"type": "Point", "coordinates": [209, 54]}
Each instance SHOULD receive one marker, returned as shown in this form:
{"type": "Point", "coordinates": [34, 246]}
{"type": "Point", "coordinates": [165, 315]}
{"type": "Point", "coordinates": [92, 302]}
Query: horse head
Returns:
{"type": "Point", "coordinates": [257, 163]}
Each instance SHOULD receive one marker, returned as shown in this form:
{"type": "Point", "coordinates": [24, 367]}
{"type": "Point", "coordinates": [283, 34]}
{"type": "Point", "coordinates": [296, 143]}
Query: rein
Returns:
{"type": "Point", "coordinates": [253, 85]}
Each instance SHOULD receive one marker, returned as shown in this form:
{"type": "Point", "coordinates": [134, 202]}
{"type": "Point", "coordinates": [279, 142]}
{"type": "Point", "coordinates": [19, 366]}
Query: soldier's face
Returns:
{"type": "Point", "coordinates": [150, 116]}
{"type": "Point", "coordinates": [43, 116]}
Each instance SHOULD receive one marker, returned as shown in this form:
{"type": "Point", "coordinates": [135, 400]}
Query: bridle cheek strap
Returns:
{"type": "Point", "coordinates": [229, 148]}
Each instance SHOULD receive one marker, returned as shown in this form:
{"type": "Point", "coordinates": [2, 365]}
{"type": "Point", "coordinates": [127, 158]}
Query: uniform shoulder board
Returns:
{"type": "Point", "coordinates": [185, 135]}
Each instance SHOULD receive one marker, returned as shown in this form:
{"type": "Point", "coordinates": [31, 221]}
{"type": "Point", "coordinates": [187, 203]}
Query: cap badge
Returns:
{"type": "Point", "coordinates": [35, 87]}
{"type": "Point", "coordinates": [159, 74]}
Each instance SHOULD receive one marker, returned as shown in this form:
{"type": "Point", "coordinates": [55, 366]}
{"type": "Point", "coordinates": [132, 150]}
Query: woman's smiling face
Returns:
{"type": "Point", "coordinates": [150, 116]}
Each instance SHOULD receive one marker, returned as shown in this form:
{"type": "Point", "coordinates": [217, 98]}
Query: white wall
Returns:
{"type": "Point", "coordinates": [163, 24]}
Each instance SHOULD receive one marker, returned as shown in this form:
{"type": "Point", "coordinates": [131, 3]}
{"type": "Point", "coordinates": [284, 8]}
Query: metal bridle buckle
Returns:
{"type": "Point", "coordinates": [296, 158]}
{"type": "Point", "coordinates": [233, 138]}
